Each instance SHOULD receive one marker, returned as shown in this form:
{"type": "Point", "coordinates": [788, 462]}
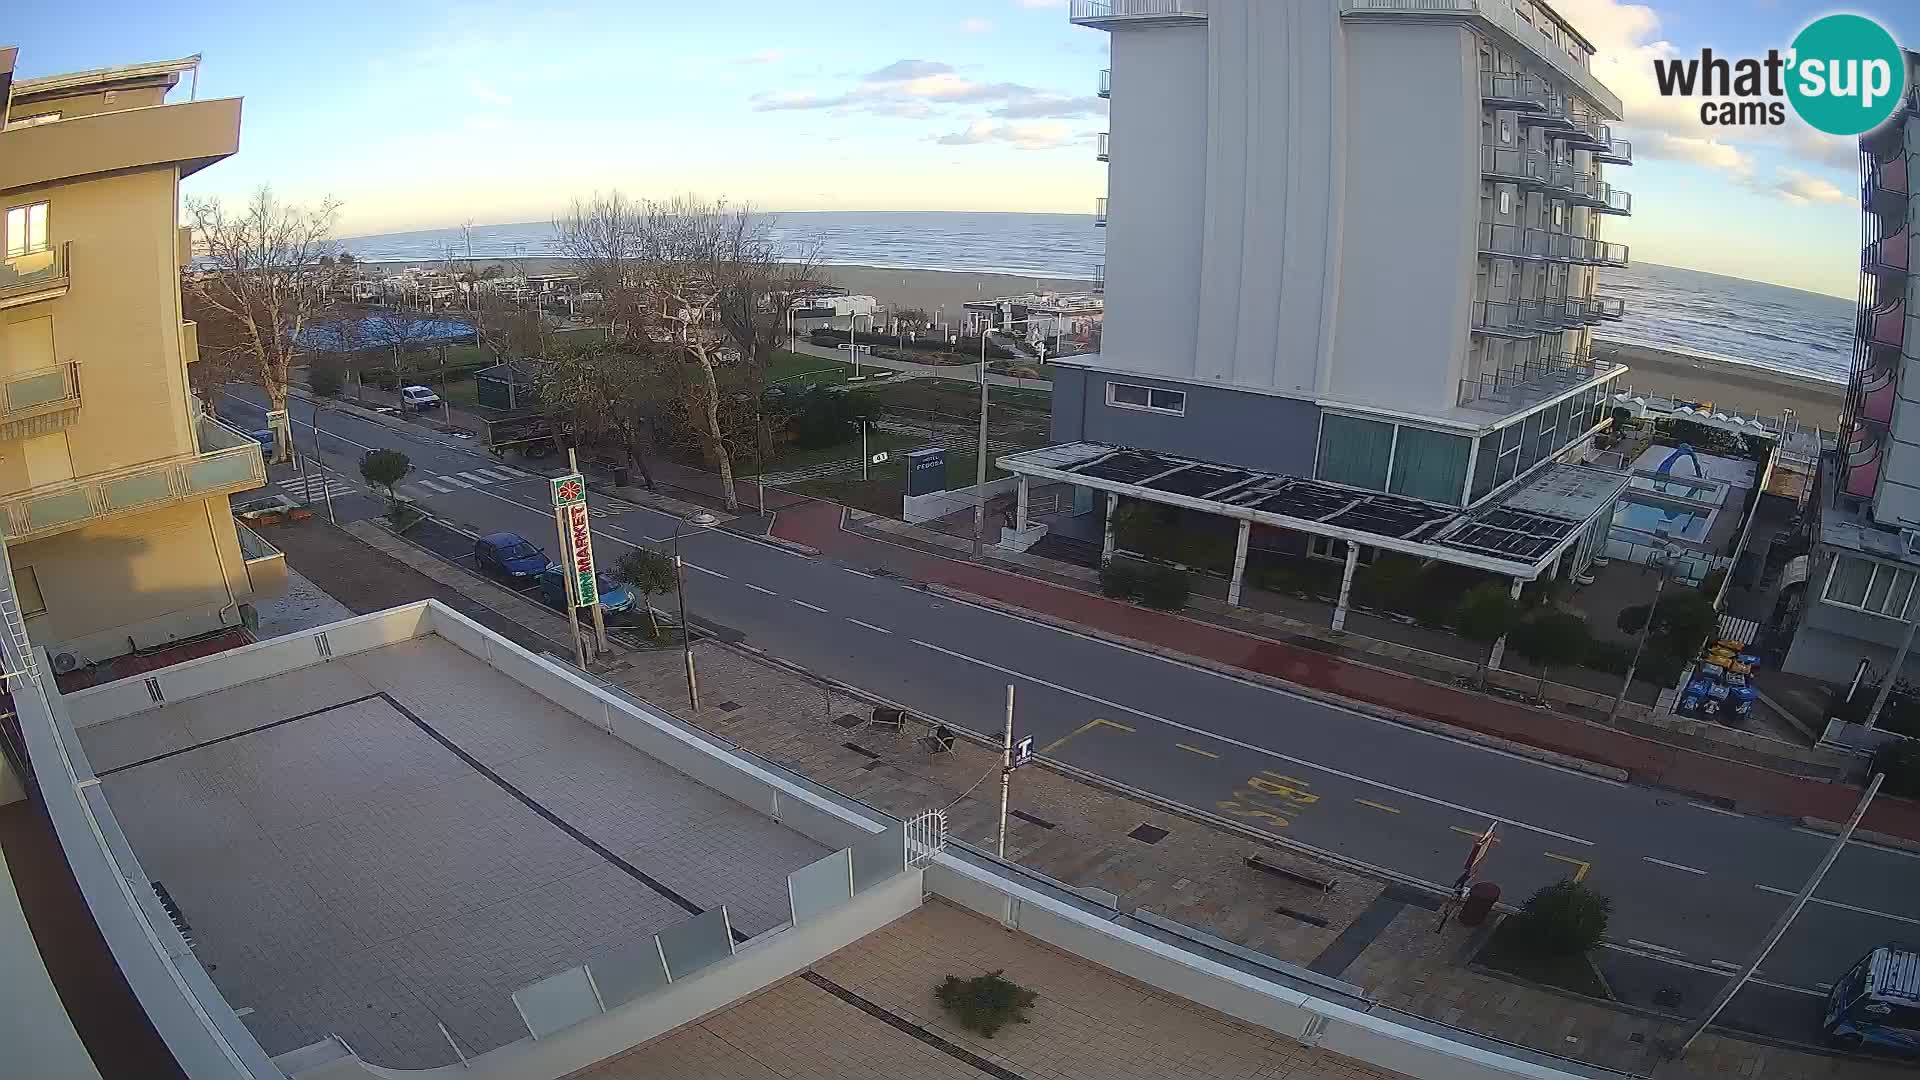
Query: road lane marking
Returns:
{"type": "Point", "coordinates": [1580, 867]}
{"type": "Point", "coordinates": [862, 573]}
{"type": "Point", "coordinates": [492, 474]}
{"type": "Point", "coordinates": [511, 471]}
{"type": "Point", "coordinates": [1828, 837]}
{"type": "Point", "coordinates": [454, 480]}
{"type": "Point", "coordinates": [1837, 904]}
{"type": "Point", "coordinates": [1377, 806]}
{"type": "Point", "coordinates": [657, 539]}
{"type": "Point", "coordinates": [1728, 964]}
{"type": "Point", "coordinates": [1196, 750]}
{"type": "Point", "coordinates": [870, 626]}
{"type": "Point", "coordinates": [1674, 865]}
{"type": "Point", "coordinates": [812, 607]}
{"type": "Point", "coordinates": [1088, 726]}
{"type": "Point", "coordinates": [476, 477]}
{"type": "Point", "coordinates": [1302, 762]}
{"type": "Point", "coordinates": [1651, 947]}
{"type": "Point", "coordinates": [702, 569]}
{"type": "Point", "coordinates": [1711, 809]}
{"type": "Point", "coordinates": [1692, 966]}
{"type": "Point", "coordinates": [759, 588]}
{"type": "Point", "coordinates": [604, 527]}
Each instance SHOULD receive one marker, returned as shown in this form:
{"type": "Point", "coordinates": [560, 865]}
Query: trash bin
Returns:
{"type": "Point", "coordinates": [1480, 900]}
{"type": "Point", "coordinates": [622, 476]}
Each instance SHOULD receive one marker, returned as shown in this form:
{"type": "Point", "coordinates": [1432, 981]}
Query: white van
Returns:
{"type": "Point", "coordinates": [418, 397]}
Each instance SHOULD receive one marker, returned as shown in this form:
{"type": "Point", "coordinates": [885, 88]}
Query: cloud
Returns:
{"type": "Point", "coordinates": [1035, 135]}
{"type": "Point", "coordinates": [764, 56]}
{"type": "Point", "coordinates": [914, 88]}
{"type": "Point", "coordinates": [1800, 187]}
{"type": "Point", "coordinates": [976, 25]}
{"type": "Point", "coordinates": [1696, 150]}
{"type": "Point", "coordinates": [487, 93]}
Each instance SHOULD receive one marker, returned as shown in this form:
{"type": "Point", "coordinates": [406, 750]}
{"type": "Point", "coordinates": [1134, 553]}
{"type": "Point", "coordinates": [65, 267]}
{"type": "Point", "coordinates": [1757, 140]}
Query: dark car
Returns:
{"type": "Point", "coordinates": [615, 598]}
{"type": "Point", "coordinates": [509, 555]}
{"type": "Point", "coordinates": [264, 437]}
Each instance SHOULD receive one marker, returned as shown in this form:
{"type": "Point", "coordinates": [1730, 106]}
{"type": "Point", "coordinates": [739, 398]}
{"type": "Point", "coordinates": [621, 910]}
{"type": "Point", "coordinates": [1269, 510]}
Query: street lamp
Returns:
{"type": "Point", "coordinates": [701, 520]}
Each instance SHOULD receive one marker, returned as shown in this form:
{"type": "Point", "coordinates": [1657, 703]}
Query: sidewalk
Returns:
{"type": "Point", "coordinates": [1646, 761]}
{"type": "Point", "coordinates": [1090, 836]}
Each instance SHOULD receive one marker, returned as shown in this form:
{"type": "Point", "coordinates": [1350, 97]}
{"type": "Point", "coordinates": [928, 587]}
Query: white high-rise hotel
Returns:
{"type": "Point", "coordinates": [1351, 240]}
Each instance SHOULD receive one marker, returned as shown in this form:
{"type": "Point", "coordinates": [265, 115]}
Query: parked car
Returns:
{"type": "Point", "coordinates": [420, 398]}
{"type": "Point", "coordinates": [263, 436]}
{"type": "Point", "coordinates": [508, 555]}
{"type": "Point", "coordinates": [615, 598]}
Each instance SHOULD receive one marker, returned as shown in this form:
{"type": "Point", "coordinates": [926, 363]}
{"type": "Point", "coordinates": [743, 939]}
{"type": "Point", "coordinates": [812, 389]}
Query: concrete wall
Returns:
{"type": "Point", "coordinates": [1236, 427]}
{"type": "Point", "coordinates": [1407, 245]}
{"type": "Point", "coordinates": [1832, 640]}
{"type": "Point", "coordinates": [143, 580]}
{"type": "Point", "coordinates": [917, 508]}
{"type": "Point", "coordinates": [34, 1027]}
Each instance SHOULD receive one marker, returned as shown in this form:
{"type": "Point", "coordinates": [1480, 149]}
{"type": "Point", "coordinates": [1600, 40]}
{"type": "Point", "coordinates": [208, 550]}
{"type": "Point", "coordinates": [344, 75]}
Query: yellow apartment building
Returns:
{"type": "Point", "coordinates": [113, 484]}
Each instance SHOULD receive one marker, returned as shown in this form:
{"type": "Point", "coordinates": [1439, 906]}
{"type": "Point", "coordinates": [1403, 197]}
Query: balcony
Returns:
{"type": "Point", "coordinates": [1584, 133]}
{"type": "Point", "coordinates": [1528, 168]}
{"type": "Point", "coordinates": [39, 402]}
{"type": "Point", "coordinates": [266, 565]}
{"type": "Point", "coordinates": [1887, 257]}
{"type": "Point", "coordinates": [1099, 278]}
{"type": "Point", "coordinates": [1509, 90]}
{"type": "Point", "coordinates": [1106, 14]}
{"type": "Point", "coordinates": [40, 275]}
{"type": "Point", "coordinates": [1100, 150]}
{"type": "Point", "coordinates": [1601, 253]}
{"type": "Point", "coordinates": [1605, 309]}
{"type": "Point", "coordinates": [228, 461]}
{"type": "Point", "coordinates": [1530, 382]}
{"type": "Point", "coordinates": [1613, 200]}
{"type": "Point", "coordinates": [1515, 318]}
{"type": "Point", "coordinates": [1617, 152]}
{"type": "Point", "coordinates": [1515, 242]}
{"type": "Point", "coordinates": [1106, 83]}
{"type": "Point", "coordinates": [1500, 17]}
{"type": "Point", "coordinates": [1100, 213]}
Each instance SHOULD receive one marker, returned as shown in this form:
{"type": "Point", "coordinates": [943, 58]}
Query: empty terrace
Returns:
{"type": "Point", "coordinates": [400, 838]}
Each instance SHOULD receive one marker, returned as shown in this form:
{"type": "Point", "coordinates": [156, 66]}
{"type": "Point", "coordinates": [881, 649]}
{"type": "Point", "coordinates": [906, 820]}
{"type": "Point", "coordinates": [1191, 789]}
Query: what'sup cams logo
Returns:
{"type": "Point", "coordinates": [1844, 75]}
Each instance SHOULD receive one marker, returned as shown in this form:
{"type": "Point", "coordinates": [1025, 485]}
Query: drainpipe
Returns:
{"type": "Point", "coordinates": [1500, 646]}
{"type": "Point", "coordinates": [1346, 586]}
{"type": "Point", "coordinates": [1239, 563]}
{"type": "Point", "coordinates": [1106, 541]}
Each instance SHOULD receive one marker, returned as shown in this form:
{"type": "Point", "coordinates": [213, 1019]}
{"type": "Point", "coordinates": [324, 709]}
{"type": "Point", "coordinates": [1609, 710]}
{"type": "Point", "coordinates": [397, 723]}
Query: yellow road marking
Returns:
{"type": "Point", "coordinates": [1292, 794]}
{"type": "Point", "coordinates": [1475, 833]}
{"type": "Point", "coordinates": [1196, 750]}
{"type": "Point", "coordinates": [1376, 806]}
{"type": "Point", "coordinates": [1083, 728]}
{"type": "Point", "coordinates": [1579, 868]}
{"type": "Point", "coordinates": [1288, 779]}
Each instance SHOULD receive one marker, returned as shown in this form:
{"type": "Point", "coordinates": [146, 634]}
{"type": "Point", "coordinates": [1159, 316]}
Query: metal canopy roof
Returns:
{"type": "Point", "coordinates": [1518, 536]}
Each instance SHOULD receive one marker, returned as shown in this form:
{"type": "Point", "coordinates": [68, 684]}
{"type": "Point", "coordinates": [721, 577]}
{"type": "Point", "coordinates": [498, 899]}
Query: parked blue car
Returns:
{"type": "Point", "coordinates": [508, 555]}
{"type": "Point", "coordinates": [615, 598]}
{"type": "Point", "coordinates": [264, 437]}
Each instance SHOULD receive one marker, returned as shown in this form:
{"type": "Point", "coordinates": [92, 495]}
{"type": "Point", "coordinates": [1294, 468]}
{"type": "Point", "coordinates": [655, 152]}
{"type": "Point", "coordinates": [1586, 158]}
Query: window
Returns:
{"type": "Point", "coordinates": [1333, 550]}
{"type": "Point", "coordinates": [1430, 465]}
{"type": "Point", "coordinates": [1559, 215]}
{"type": "Point", "coordinates": [26, 229]}
{"type": "Point", "coordinates": [1506, 202]}
{"type": "Point", "coordinates": [1506, 132]}
{"type": "Point", "coordinates": [1150, 398]}
{"type": "Point", "coordinates": [1873, 587]}
{"type": "Point", "coordinates": [26, 590]}
{"type": "Point", "coordinates": [30, 121]}
{"type": "Point", "coordinates": [1355, 452]}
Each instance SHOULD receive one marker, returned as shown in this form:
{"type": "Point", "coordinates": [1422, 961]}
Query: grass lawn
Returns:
{"type": "Point", "coordinates": [462, 393]}
{"type": "Point", "coordinates": [846, 451]}
{"type": "Point", "coordinates": [956, 398]}
{"type": "Point", "coordinates": [887, 483]}
{"type": "Point", "coordinates": [1505, 953]}
{"type": "Point", "coordinates": [799, 369]}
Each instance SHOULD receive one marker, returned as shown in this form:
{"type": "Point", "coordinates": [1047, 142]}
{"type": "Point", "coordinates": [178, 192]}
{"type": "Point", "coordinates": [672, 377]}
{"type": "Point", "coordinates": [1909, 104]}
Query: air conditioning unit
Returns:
{"type": "Point", "coordinates": [64, 662]}
{"type": "Point", "coordinates": [1910, 539]}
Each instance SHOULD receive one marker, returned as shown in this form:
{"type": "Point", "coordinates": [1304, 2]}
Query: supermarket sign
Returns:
{"type": "Point", "coordinates": [570, 504]}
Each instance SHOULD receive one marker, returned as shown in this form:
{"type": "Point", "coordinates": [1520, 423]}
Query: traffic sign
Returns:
{"type": "Point", "coordinates": [1023, 752]}
{"type": "Point", "coordinates": [879, 458]}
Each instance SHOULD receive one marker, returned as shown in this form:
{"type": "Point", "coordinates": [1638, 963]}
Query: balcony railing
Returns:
{"type": "Point", "coordinates": [1100, 277]}
{"type": "Point", "coordinates": [1100, 212]}
{"type": "Point", "coordinates": [1513, 318]}
{"type": "Point", "coordinates": [1106, 83]}
{"type": "Point", "coordinates": [39, 275]}
{"type": "Point", "coordinates": [1096, 12]}
{"type": "Point", "coordinates": [1609, 308]}
{"type": "Point", "coordinates": [1601, 253]}
{"type": "Point", "coordinates": [1100, 151]}
{"type": "Point", "coordinates": [1515, 242]}
{"type": "Point", "coordinates": [1502, 16]}
{"type": "Point", "coordinates": [40, 401]}
{"type": "Point", "coordinates": [228, 461]}
{"type": "Point", "coordinates": [1614, 201]}
{"type": "Point", "coordinates": [1514, 90]}
{"type": "Point", "coordinates": [1514, 166]}
{"type": "Point", "coordinates": [1618, 152]}
{"type": "Point", "coordinates": [266, 565]}
{"type": "Point", "coordinates": [1530, 381]}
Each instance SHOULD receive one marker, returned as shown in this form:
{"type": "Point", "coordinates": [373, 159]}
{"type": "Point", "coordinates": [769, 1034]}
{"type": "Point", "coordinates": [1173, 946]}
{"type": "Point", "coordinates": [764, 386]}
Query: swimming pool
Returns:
{"type": "Point", "coordinates": [1647, 519]}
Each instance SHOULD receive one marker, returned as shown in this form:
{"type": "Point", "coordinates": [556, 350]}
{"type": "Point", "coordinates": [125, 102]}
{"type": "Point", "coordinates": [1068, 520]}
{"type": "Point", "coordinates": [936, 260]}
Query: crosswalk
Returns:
{"type": "Point", "coordinates": [314, 488]}
{"type": "Point", "coordinates": [498, 474]}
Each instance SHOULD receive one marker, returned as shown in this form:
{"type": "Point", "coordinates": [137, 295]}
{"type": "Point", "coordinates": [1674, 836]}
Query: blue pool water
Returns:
{"type": "Point", "coordinates": [1680, 524]}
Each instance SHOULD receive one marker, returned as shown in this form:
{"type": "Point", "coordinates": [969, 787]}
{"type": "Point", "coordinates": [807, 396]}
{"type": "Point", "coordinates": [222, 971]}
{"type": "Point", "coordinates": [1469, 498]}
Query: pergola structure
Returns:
{"type": "Point", "coordinates": [1521, 535]}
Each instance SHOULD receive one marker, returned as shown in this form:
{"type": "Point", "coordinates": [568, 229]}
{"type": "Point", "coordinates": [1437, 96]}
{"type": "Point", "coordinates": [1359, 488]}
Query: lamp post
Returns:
{"type": "Point", "coordinates": [1662, 557]}
{"type": "Point", "coordinates": [980, 463]}
{"type": "Point", "coordinates": [701, 520]}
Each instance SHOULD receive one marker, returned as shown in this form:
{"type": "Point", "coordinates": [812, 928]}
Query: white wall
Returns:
{"type": "Point", "coordinates": [1408, 246]}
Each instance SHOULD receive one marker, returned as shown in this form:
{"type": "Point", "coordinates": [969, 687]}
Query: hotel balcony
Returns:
{"type": "Point", "coordinates": [1887, 257]}
{"type": "Point", "coordinates": [1517, 318]}
{"type": "Point", "coordinates": [1099, 278]}
{"type": "Point", "coordinates": [266, 565]}
{"type": "Point", "coordinates": [1617, 152]}
{"type": "Point", "coordinates": [1508, 165]}
{"type": "Point", "coordinates": [1605, 309]}
{"type": "Point", "coordinates": [1500, 17]}
{"type": "Point", "coordinates": [39, 275]}
{"type": "Point", "coordinates": [1586, 133]}
{"type": "Point", "coordinates": [1106, 83]}
{"type": "Point", "coordinates": [1530, 382]}
{"type": "Point", "coordinates": [1600, 253]}
{"type": "Point", "coordinates": [1100, 213]}
{"type": "Point", "coordinates": [39, 402]}
{"type": "Point", "coordinates": [1107, 14]}
{"type": "Point", "coordinates": [1885, 190]}
{"type": "Point", "coordinates": [1613, 200]}
{"type": "Point", "coordinates": [228, 461]}
{"type": "Point", "coordinates": [1513, 90]}
{"type": "Point", "coordinates": [1100, 149]}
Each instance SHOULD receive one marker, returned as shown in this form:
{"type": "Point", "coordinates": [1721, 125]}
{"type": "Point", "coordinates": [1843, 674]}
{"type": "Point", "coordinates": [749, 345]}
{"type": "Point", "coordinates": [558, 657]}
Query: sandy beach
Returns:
{"type": "Point", "coordinates": [937, 289]}
{"type": "Point", "coordinates": [1729, 386]}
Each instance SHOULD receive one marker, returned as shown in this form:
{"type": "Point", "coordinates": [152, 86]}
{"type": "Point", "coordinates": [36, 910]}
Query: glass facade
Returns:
{"type": "Point", "coordinates": [1510, 451]}
{"type": "Point", "coordinates": [1355, 452]}
{"type": "Point", "coordinates": [1430, 465]}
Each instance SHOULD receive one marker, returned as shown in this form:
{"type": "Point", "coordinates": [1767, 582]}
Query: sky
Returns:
{"type": "Point", "coordinates": [427, 113]}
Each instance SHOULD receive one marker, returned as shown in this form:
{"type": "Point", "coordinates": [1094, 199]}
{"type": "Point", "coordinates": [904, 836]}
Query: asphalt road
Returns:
{"type": "Point", "coordinates": [1694, 885]}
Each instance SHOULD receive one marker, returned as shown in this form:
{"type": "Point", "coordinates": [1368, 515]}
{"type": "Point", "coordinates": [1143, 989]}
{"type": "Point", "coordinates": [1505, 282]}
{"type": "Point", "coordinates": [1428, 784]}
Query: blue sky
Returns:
{"type": "Point", "coordinates": [421, 113]}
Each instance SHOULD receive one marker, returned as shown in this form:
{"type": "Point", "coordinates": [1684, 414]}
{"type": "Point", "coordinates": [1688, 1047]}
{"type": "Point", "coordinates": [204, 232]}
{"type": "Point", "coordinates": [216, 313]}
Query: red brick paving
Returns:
{"type": "Point", "coordinates": [818, 525]}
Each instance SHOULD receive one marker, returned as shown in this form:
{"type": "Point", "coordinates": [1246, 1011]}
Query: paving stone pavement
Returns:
{"type": "Point", "coordinates": [1196, 875]}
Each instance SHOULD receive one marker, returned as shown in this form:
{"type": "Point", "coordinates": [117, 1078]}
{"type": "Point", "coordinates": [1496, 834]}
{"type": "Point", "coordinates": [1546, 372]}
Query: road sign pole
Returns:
{"type": "Point", "coordinates": [1006, 771]}
{"type": "Point", "coordinates": [863, 450]}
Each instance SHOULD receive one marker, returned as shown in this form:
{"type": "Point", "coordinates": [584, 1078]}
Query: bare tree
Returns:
{"type": "Point", "coordinates": [609, 391]}
{"type": "Point", "coordinates": [261, 270]}
{"type": "Point", "coordinates": [602, 237]}
{"type": "Point", "coordinates": [760, 284]}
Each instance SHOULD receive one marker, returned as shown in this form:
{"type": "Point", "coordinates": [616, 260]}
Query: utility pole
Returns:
{"type": "Point", "coordinates": [864, 459]}
{"type": "Point", "coordinates": [1786, 917]}
{"type": "Point", "coordinates": [980, 462]}
{"type": "Point", "coordinates": [1006, 771]}
{"type": "Point", "coordinates": [1639, 645]}
{"type": "Point", "coordinates": [1893, 673]}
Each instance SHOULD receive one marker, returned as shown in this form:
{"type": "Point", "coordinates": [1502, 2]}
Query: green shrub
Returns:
{"type": "Point", "coordinates": [1119, 581]}
{"type": "Point", "coordinates": [1392, 582]}
{"type": "Point", "coordinates": [1165, 589]}
{"type": "Point", "coordinates": [384, 468]}
{"type": "Point", "coordinates": [1564, 919]}
{"type": "Point", "coordinates": [1609, 656]}
{"type": "Point", "coordinates": [985, 1003]}
{"type": "Point", "coordinates": [379, 378]}
{"type": "Point", "coordinates": [325, 374]}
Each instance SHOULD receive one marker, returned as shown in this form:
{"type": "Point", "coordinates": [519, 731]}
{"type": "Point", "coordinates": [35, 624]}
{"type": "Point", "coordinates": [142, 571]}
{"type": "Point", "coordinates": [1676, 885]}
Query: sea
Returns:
{"type": "Point", "coordinates": [1690, 311]}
